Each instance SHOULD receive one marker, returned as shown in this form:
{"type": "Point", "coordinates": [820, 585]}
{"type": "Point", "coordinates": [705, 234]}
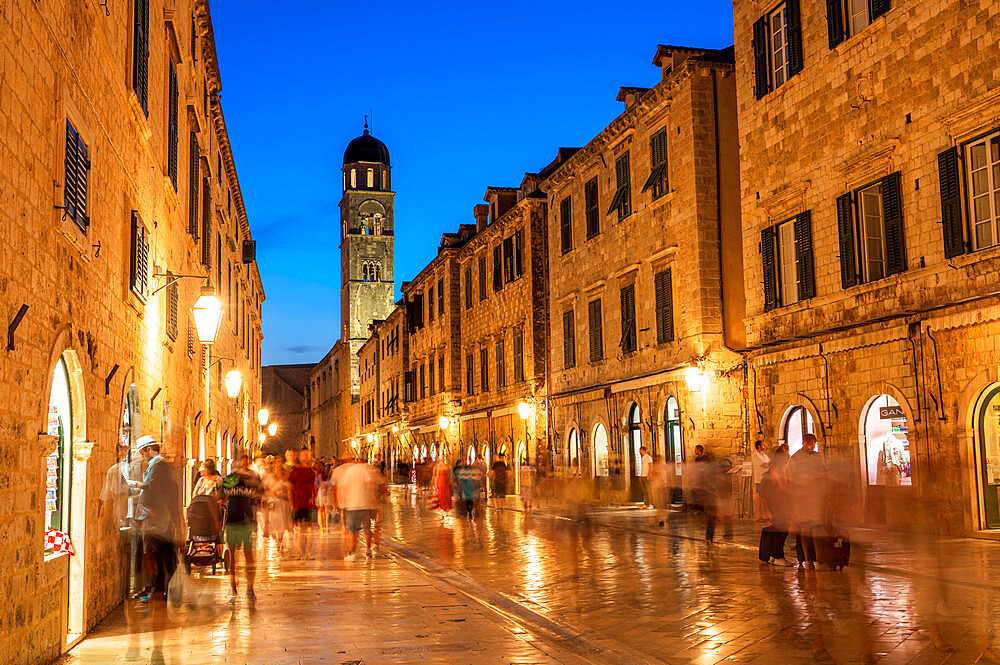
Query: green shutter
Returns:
{"type": "Point", "coordinates": [951, 203]}
{"type": "Point", "coordinates": [664, 303]}
{"type": "Point", "coordinates": [569, 340]}
{"type": "Point", "coordinates": [804, 255]}
{"type": "Point", "coordinates": [892, 214]}
{"type": "Point", "coordinates": [845, 229]}
{"type": "Point", "coordinates": [768, 268]}
{"type": "Point", "coordinates": [793, 18]}
{"type": "Point", "coordinates": [760, 75]}
{"type": "Point", "coordinates": [835, 25]}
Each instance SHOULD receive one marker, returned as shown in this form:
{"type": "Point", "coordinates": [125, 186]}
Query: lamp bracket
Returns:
{"type": "Point", "coordinates": [13, 326]}
{"type": "Point", "coordinates": [173, 279]}
{"type": "Point", "coordinates": [153, 398]}
{"type": "Point", "coordinates": [107, 381]}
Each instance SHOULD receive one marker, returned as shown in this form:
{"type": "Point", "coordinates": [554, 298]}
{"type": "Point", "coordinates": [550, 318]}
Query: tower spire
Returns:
{"type": "Point", "coordinates": [366, 125]}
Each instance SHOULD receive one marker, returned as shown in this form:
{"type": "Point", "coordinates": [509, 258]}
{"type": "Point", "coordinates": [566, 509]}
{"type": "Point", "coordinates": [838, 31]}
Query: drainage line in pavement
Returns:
{"type": "Point", "coordinates": [516, 611]}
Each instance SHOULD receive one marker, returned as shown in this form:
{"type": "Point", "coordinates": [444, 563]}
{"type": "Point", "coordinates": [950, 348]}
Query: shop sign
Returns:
{"type": "Point", "coordinates": [891, 412]}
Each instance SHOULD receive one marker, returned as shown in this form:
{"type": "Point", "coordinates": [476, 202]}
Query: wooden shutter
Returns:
{"type": "Point", "coordinates": [484, 370]}
{"type": "Point", "coordinates": [951, 203]}
{"type": "Point", "coordinates": [569, 340]}
{"type": "Point", "coordinates": [482, 278]}
{"type": "Point", "coordinates": [892, 214]}
{"type": "Point", "coordinates": [592, 201]}
{"type": "Point", "coordinates": [430, 304]}
{"type": "Point", "coordinates": [508, 259]}
{"type": "Point", "coordinates": [172, 124]}
{"type": "Point", "coordinates": [628, 340]}
{"type": "Point", "coordinates": [760, 73]}
{"type": "Point", "coordinates": [518, 356]}
{"type": "Point", "coordinates": [77, 165]}
{"type": "Point", "coordinates": [518, 242]}
{"type": "Point", "coordinates": [468, 287]}
{"type": "Point", "coordinates": [497, 268]}
{"type": "Point", "coordinates": [440, 374]}
{"type": "Point", "coordinates": [501, 368]}
{"type": "Point", "coordinates": [664, 302]}
{"type": "Point", "coordinates": [565, 225]}
{"type": "Point", "coordinates": [469, 374]}
{"type": "Point", "coordinates": [172, 302]}
{"type": "Point", "coordinates": [441, 296]}
{"type": "Point", "coordinates": [804, 255]}
{"type": "Point", "coordinates": [793, 18]}
{"type": "Point", "coordinates": [596, 331]}
{"type": "Point", "coordinates": [835, 26]}
{"type": "Point", "coordinates": [139, 263]}
{"type": "Point", "coordinates": [768, 268]}
{"type": "Point", "coordinates": [878, 8]}
{"type": "Point", "coordinates": [845, 229]}
{"type": "Point", "coordinates": [140, 54]}
{"type": "Point", "coordinates": [194, 183]}
{"type": "Point", "coordinates": [206, 225]}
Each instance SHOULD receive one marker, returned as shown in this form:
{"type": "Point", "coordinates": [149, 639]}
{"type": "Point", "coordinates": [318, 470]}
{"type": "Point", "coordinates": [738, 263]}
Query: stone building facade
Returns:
{"type": "Point", "coordinates": [869, 155]}
{"type": "Point", "coordinates": [330, 420]}
{"type": "Point", "coordinates": [117, 178]}
{"type": "Point", "coordinates": [285, 395]}
{"type": "Point", "coordinates": [645, 293]}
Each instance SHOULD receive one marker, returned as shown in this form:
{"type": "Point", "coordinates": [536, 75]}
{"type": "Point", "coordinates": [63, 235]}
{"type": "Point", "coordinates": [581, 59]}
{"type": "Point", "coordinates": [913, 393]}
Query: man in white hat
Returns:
{"type": "Point", "coordinates": [158, 512]}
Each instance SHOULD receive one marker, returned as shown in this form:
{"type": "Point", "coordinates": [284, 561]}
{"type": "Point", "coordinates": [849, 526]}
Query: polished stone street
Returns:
{"type": "Point", "coordinates": [548, 587]}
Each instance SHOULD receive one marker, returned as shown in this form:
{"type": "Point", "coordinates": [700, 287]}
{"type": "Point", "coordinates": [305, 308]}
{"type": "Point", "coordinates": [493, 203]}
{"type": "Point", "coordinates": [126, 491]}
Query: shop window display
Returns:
{"type": "Point", "coordinates": [988, 431]}
{"type": "Point", "coordinates": [886, 445]}
{"type": "Point", "coordinates": [798, 422]}
{"type": "Point", "coordinates": [600, 451]}
{"type": "Point", "coordinates": [635, 437]}
{"type": "Point", "coordinates": [58, 469]}
{"type": "Point", "coordinates": [573, 452]}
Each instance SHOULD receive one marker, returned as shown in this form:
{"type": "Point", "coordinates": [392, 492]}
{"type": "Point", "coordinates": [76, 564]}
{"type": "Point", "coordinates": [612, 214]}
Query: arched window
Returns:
{"type": "Point", "coordinates": [377, 224]}
{"type": "Point", "coordinates": [635, 436]}
{"type": "Point", "coordinates": [600, 439]}
{"type": "Point", "coordinates": [573, 452]}
{"type": "Point", "coordinates": [674, 452]}
{"type": "Point", "coordinates": [59, 464]}
{"type": "Point", "coordinates": [887, 447]}
{"type": "Point", "coordinates": [354, 178]}
{"type": "Point", "coordinates": [371, 178]}
{"type": "Point", "coordinates": [377, 272]}
{"type": "Point", "coordinates": [798, 422]}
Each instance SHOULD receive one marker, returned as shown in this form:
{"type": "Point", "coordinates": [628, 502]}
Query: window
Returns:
{"type": "Point", "coordinates": [77, 165]}
{"type": "Point", "coordinates": [194, 182]}
{"type": "Point", "coordinates": [982, 159]}
{"type": "Point", "coordinates": [622, 201]}
{"type": "Point", "coordinates": [664, 304]}
{"type": "Point", "coordinates": [870, 225]}
{"type": "Point", "coordinates": [440, 374]}
{"type": "Point", "coordinates": [846, 18]}
{"type": "Point", "coordinates": [569, 340]}
{"type": "Point", "coordinates": [423, 381]}
{"type": "Point", "coordinates": [469, 374]}
{"type": "Point", "coordinates": [140, 54]}
{"type": "Point", "coordinates": [172, 123]}
{"type": "Point", "coordinates": [497, 268]}
{"type": "Point", "coordinates": [596, 330]}
{"type": "Point", "coordinates": [190, 344]}
{"type": "Point", "coordinates": [371, 178]}
{"type": "Point", "coordinates": [501, 368]}
{"type": "Point", "coordinates": [518, 244]}
{"type": "Point", "coordinates": [430, 304]}
{"type": "Point", "coordinates": [518, 356]}
{"type": "Point", "coordinates": [628, 340]}
{"type": "Point", "coordinates": [482, 278]}
{"type": "Point", "coordinates": [139, 258]}
{"type": "Point", "coordinates": [206, 226]}
{"type": "Point", "coordinates": [657, 180]}
{"type": "Point", "coordinates": [468, 287]}
{"type": "Point", "coordinates": [484, 369]}
{"type": "Point", "coordinates": [441, 296]}
{"type": "Point", "coordinates": [409, 389]}
{"type": "Point", "coordinates": [354, 178]}
{"type": "Point", "coordinates": [566, 224]}
{"type": "Point", "coordinates": [593, 210]}
{"type": "Point", "coordinates": [777, 47]}
{"type": "Point", "coordinates": [513, 268]}
{"type": "Point", "coordinates": [787, 262]}
{"type": "Point", "coordinates": [431, 385]}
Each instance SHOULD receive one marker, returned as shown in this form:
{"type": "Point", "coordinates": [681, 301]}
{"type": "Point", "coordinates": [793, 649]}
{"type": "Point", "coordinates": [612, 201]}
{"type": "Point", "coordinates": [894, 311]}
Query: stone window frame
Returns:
{"type": "Point", "coordinates": [780, 12]}
{"type": "Point", "coordinates": [79, 236]}
{"type": "Point", "coordinates": [965, 161]}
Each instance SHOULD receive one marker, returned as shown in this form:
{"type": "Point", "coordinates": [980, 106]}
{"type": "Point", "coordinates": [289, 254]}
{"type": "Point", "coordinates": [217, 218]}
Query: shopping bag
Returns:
{"type": "Point", "coordinates": [432, 503]}
{"type": "Point", "coordinates": [180, 590]}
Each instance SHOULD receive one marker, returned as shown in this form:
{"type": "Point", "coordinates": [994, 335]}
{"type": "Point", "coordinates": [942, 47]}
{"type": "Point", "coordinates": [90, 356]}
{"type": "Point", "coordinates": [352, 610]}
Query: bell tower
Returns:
{"type": "Point", "coordinates": [367, 287]}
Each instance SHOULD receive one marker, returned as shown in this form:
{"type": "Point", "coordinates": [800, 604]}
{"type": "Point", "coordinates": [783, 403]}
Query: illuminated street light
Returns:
{"type": "Point", "coordinates": [272, 429]}
{"type": "Point", "coordinates": [262, 417]}
{"type": "Point", "coordinates": [395, 429]}
{"type": "Point", "coordinates": [525, 410]}
{"type": "Point", "coordinates": [443, 422]}
{"type": "Point", "coordinates": [233, 381]}
{"type": "Point", "coordinates": [370, 437]}
{"type": "Point", "coordinates": [262, 438]}
{"type": "Point", "coordinates": [695, 378]}
{"type": "Point", "coordinates": [207, 315]}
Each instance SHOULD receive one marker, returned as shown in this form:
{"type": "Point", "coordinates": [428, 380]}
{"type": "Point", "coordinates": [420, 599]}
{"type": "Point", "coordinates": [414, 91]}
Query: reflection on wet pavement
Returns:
{"type": "Point", "coordinates": [623, 577]}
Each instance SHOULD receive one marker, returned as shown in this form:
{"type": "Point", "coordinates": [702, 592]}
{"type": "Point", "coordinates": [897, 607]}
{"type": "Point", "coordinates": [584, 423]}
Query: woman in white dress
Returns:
{"type": "Point", "coordinates": [277, 502]}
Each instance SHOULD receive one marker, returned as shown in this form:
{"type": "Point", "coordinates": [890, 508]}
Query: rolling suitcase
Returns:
{"type": "Point", "coordinates": [835, 551]}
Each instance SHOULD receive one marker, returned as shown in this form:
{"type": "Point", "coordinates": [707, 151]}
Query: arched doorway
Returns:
{"type": "Point", "coordinates": [674, 454]}
{"type": "Point", "coordinates": [59, 467]}
{"type": "Point", "coordinates": [634, 425]}
{"type": "Point", "coordinates": [520, 459]}
{"type": "Point", "coordinates": [600, 438]}
{"type": "Point", "coordinates": [987, 433]}
{"type": "Point", "coordinates": [885, 455]}
{"type": "Point", "coordinates": [797, 423]}
{"type": "Point", "coordinates": [470, 457]}
{"type": "Point", "coordinates": [573, 453]}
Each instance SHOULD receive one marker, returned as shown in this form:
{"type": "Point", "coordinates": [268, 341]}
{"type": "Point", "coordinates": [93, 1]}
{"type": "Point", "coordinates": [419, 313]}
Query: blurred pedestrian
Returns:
{"type": "Point", "coordinates": [645, 466]}
{"type": "Point", "coordinates": [158, 514]}
{"type": "Point", "coordinates": [303, 480]}
{"type": "Point", "coordinates": [528, 479]}
{"type": "Point", "coordinates": [323, 495]}
{"type": "Point", "coordinates": [659, 483]}
{"type": "Point", "coordinates": [242, 490]}
{"type": "Point", "coordinates": [357, 492]}
{"type": "Point", "coordinates": [442, 486]}
{"type": "Point", "coordinates": [277, 502]}
{"type": "Point", "coordinates": [808, 476]}
{"type": "Point", "coordinates": [209, 481]}
{"type": "Point", "coordinates": [712, 479]}
{"type": "Point", "coordinates": [775, 489]}
{"type": "Point", "coordinates": [759, 461]}
{"type": "Point", "coordinates": [498, 474]}
{"type": "Point", "coordinates": [291, 460]}
{"type": "Point", "coordinates": [468, 481]}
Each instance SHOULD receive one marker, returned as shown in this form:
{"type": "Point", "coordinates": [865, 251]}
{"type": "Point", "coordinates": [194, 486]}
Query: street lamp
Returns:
{"type": "Point", "coordinates": [233, 381]}
{"type": "Point", "coordinates": [261, 438]}
{"type": "Point", "coordinates": [395, 429]}
{"type": "Point", "coordinates": [525, 410]}
{"type": "Point", "coordinates": [207, 312]}
{"type": "Point", "coordinates": [272, 429]}
{"type": "Point", "coordinates": [262, 416]}
{"type": "Point", "coordinates": [695, 378]}
{"type": "Point", "coordinates": [370, 437]}
{"type": "Point", "coordinates": [444, 422]}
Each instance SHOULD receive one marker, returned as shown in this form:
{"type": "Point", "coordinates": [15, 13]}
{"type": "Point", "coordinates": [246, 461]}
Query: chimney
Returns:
{"type": "Point", "coordinates": [481, 211]}
{"type": "Point", "coordinates": [630, 95]}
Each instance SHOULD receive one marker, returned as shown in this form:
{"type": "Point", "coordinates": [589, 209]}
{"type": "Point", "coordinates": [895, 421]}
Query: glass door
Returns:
{"type": "Point", "coordinates": [989, 453]}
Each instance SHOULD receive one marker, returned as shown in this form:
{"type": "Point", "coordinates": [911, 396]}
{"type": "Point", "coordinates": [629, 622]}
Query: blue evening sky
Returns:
{"type": "Point", "coordinates": [465, 95]}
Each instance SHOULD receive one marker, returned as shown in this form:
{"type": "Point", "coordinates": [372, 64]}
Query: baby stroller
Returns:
{"type": "Point", "coordinates": [205, 520]}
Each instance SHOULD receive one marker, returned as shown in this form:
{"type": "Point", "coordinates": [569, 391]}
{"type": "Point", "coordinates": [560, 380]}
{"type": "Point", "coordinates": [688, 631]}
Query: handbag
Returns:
{"type": "Point", "coordinates": [433, 502]}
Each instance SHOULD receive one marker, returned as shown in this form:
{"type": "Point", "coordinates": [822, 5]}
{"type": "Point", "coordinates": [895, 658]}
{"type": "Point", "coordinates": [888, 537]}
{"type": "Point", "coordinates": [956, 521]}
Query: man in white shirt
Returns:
{"type": "Point", "coordinates": [761, 462]}
{"type": "Point", "coordinates": [645, 465]}
{"type": "Point", "coordinates": [357, 492]}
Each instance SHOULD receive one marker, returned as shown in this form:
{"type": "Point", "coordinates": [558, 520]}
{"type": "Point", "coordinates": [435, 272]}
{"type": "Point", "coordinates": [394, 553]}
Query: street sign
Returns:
{"type": "Point", "coordinates": [891, 412]}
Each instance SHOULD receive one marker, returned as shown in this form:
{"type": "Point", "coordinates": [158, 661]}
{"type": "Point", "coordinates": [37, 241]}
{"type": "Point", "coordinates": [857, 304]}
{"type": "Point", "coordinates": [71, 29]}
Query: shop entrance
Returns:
{"type": "Point", "coordinates": [634, 442]}
{"type": "Point", "coordinates": [798, 422]}
{"type": "Point", "coordinates": [520, 459]}
{"type": "Point", "coordinates": [885, 453]}
{"type": "Point", "coordinates": [573, 453]}
{"type": "Point", "coordinates": [988, 433]}
{"type": "Point", "coordinates": [674, 448]}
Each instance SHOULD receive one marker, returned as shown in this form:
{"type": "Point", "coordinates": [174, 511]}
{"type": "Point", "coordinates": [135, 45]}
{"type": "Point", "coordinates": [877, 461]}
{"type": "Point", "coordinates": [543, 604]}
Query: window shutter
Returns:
{"type": "Point", "coordinates": [468, 287]}
{"type": "Point", "coordinates": [518, 242]}
{"type": "Point", "coordinates": [140, 54]}
{"type": "Point", "coordinates": [77, 165]}
{"type": "Point", "coordinates": [879, 7]}
{"type": "Point", "coordinates": [768, 268]}
{"type": "Point", "coordinates": [190, 346]}
{"type": "Point", "coordinates": [592, 202]}
{"type": "Point", "coordinates": [804, 255]}
{"type": "Point", "coordinates": [484, 370]}
{"type": "Point", "coordinates": [482, 278]}
{"type": "Point", "coordinates": [440, 374]}
{"type": "Point", "coordinates": [845, 228]}
{"type": "Point", "coordinates": [193, 184]}
{"type": "Point", "coordinates": [518, 356]}
{"type": "Point", "coordinates": [628, 341]}
{"type": "Point", "coordinates": [793, 17]}
{"type": "Point", "coordinates": [760, 76]}
{"type": "Point", "coordinates": [508, 259]}
{"type": "Point", "coordinates": [596, 331]}
{"type": "Point", "coordinates": [497, 268]}
{"type": "Point", "coordinates": [892, 212]}
{"type": "Point", "coordinates": [139, 260]}
{"type": "Point", "coordinates": [172, 122]}
{"type": "Point", "coordinates": [441, 296]}
{"type": "Point", "coordinates": [172, 298]}
{"type": "Point", "coordinates": [663, 288]}
{"type": "Point", "coordinates": [835, 22]}
{"type": "Point", "coordinates": [951, 203]}
{"type": "Point", "coordinates": [565, 225]}
{"type": "Point", "coordinates": [206, 225]}
{"type": "Point", "coordinates": [569, 340]}
{"type": "Point", "coordinates": [469, 373]}
{"type": "Point", "coordinates": [501, 368]}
